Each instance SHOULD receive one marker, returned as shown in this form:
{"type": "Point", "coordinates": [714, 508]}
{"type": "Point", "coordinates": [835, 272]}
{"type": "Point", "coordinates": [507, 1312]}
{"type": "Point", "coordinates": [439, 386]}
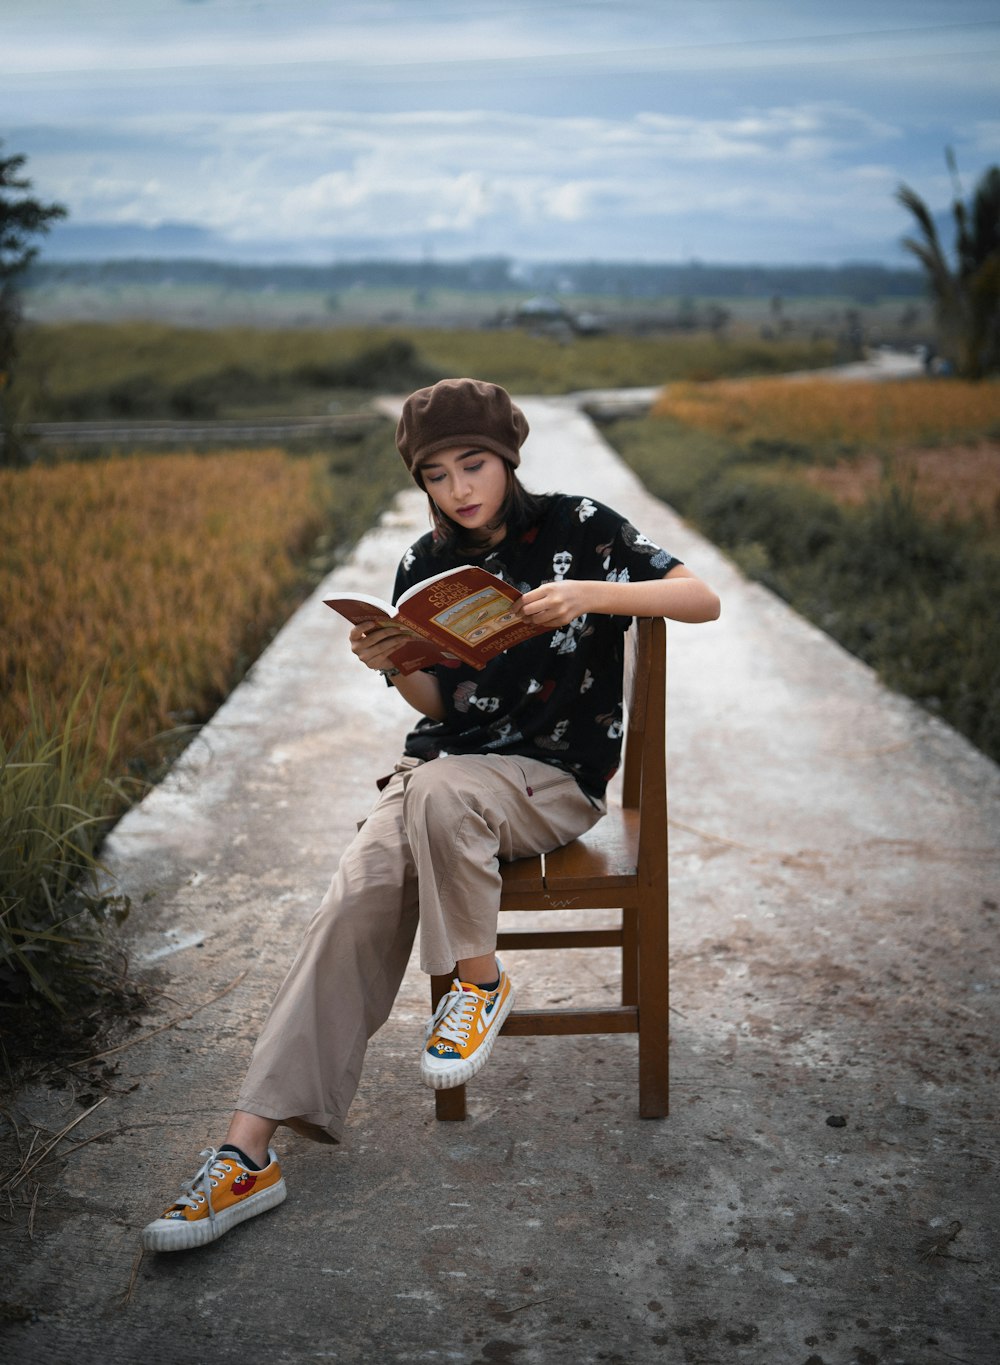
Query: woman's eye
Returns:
{"type": "Point", "coordinates": [474, 468]}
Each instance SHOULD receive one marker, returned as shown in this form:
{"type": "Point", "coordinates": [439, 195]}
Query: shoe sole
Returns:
{"type": "Point", "coordinates": [464, 1071]}
{"type": "Point", "coordinates": [174, 1235]}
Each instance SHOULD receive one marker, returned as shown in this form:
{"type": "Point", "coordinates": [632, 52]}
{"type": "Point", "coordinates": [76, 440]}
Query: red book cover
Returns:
{"type": "Point", "coordinates": [464, 615]}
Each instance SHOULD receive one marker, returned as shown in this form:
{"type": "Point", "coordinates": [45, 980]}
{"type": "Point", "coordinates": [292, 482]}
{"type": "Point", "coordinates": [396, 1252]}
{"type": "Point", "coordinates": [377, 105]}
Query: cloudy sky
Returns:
{"type": "Point", "coordinates": [765, 131]}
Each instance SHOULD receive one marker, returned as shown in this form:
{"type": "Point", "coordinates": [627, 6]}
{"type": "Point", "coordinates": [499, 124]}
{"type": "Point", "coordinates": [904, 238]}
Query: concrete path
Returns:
{"type": "Point", "coordinates": [825, 1189]}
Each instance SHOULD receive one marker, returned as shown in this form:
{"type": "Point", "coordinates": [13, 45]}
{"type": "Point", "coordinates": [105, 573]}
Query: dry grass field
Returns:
{"type": "Point", "coordinates": [158, 574]}
{"type": "Point", "coordinates": [823, 414]}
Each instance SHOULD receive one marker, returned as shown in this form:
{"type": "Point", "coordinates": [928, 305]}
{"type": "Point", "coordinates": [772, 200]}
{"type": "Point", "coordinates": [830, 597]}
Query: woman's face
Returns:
{"type": "Point", "coordinates": [468, 485]}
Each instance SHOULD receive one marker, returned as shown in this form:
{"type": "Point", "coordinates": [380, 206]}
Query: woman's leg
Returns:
{"type": "Point", "coordinates": [340, 989]}
{"type": "Point", "coordinates": [465, 814]}
{"type": "Point", "coordinates": [448, 830]}
{"type": "Point", "coordinates": [307, 1061]}
{"type": "Point", "coordinates": [443, 827]}
{"type": "Point", "coordinates": [251, 1134]}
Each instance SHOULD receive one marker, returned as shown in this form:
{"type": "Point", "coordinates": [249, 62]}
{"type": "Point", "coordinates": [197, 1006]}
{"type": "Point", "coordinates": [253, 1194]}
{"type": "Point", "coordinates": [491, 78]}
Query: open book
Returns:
{"type": "Point", "coordinates": [464, 615]}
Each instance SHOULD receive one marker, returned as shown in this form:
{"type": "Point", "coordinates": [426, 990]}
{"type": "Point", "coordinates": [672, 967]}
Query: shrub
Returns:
{"type": "Point", "coordinates": [393, 364]}
{"type": "Point", "coordinates": [206, 395]}
{"type": "Point", "coordinates": [793, 524]}
{"type": "Point", "coordinates": [672, 460]}
{"type": "Point", "coordinates": [58, 794]}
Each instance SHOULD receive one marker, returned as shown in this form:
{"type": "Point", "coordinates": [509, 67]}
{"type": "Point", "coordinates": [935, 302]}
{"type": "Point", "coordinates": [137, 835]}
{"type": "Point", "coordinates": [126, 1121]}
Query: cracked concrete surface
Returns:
{"type": "Point", "coordinates": [825, 1189]}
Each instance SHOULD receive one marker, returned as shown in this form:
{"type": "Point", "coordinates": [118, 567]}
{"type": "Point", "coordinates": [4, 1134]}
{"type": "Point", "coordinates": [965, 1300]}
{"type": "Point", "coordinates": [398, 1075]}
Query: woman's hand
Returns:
{"type": "Point", "coordinates": [556, 604]}
{"type": "Point", "coordinates": [679, 596]}
{"type": "Point", "coordinates": [373, 642]}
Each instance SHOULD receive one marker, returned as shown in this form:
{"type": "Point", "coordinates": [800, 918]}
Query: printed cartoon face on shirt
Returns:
{"type": "Point", "coordinates": [614, 722]}
{"type": "Point", "coordinates": [555, 739]}
{"type": "Point", "coordinates": [635, 540]}
{"type": "Point", "coordinates": [465, 696]}
{"type": "Point", "coordinates": [565, 641]}
{"type": "Point", "coordinates": [562, 561]}
{"type": "Point", "coordinates": [502, 734]}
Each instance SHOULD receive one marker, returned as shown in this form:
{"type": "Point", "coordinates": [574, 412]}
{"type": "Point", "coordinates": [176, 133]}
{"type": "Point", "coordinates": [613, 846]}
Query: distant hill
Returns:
{"type": "Point", "coordinates": [622, 280]}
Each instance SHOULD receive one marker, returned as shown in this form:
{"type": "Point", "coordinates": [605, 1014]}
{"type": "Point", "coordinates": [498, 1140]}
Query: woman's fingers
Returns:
{"type": "Point", "coordinates": [374, 646]}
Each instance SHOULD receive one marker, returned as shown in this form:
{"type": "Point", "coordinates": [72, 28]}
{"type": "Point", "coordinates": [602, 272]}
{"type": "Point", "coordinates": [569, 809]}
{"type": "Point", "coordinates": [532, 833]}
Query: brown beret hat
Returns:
{"type": "Point", "coordinates": [457, 412]}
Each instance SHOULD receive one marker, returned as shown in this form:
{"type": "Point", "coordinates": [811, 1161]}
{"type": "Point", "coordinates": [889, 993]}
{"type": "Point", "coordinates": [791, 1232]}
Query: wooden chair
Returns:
{"type": "Point", "coordinates": [620, 864]}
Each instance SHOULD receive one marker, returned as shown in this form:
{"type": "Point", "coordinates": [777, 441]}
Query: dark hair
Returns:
{"type": "Point", "coordinates": [520, 510]}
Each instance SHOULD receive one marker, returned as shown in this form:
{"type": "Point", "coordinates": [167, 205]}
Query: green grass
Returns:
{"type": "Point", "coordinates": [133, 370]}
{"type": "Point", "coordinates": [56, 804]}
{"type": "Point", "coordinates": [912, 597]}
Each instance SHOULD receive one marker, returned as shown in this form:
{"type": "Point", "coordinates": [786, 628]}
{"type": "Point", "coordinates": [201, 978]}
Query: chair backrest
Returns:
{"type": "Point", "coordinates": [644, 772]}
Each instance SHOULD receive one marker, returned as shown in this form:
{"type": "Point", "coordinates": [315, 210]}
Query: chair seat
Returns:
{"type": "Point", "coordinates": [605, 859]}
{"type": "Point", "coordinates": [524, 876]}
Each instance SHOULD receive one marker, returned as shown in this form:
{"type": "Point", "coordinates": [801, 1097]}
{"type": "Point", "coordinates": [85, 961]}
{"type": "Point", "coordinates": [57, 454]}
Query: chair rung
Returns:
{"type": "Point", "coordinates": [529, 1023]}
{"type": "Point", "coordinates": [561, 938]}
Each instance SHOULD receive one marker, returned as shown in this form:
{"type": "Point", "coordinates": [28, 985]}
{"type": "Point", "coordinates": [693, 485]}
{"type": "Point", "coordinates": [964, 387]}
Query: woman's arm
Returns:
{"type": "Point", "coordinates": [680, 596]}
{"type": "Point", "coordinates": [373, 644]}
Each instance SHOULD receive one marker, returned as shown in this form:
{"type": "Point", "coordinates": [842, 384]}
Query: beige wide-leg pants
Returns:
{"type": "Point", "coordinates": [428, 853]}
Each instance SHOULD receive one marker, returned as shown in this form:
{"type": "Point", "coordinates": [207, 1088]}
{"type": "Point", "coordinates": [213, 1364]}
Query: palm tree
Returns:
{"type": "Point", "coordinates": [966, 295]}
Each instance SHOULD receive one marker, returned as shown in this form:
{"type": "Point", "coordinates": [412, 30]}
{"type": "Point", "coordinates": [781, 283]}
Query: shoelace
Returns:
{"type": "Point", "coordinates": [213, 1169]}
{"type": "Point", "coordinates": [454, 1015]}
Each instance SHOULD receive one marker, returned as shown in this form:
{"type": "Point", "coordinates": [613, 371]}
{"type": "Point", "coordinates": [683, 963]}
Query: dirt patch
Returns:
{"type": "Point", "coordinates": [957, 483]}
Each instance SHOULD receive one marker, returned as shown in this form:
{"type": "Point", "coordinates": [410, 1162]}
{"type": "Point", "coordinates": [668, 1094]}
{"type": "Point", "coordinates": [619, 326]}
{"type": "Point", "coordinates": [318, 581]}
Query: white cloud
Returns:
{"type": "Point", "coordinates": [572, 201]}
{"type": "Point", "coordinates": [311, 175]}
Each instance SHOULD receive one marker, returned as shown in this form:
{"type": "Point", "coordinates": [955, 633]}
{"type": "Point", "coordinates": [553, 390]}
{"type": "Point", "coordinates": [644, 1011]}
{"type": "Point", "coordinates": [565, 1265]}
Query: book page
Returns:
{"type": "Point", "coordinates": [436, 578]}
{"type": "Point", "coordinates": [344, 599]}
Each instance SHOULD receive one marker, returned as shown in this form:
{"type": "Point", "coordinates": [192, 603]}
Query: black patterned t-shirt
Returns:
{"type": "Point", "coordinates": [558, 696]}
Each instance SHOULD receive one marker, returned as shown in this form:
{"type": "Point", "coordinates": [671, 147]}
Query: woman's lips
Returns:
{"type": "Point", "coordinates": [468, 511]}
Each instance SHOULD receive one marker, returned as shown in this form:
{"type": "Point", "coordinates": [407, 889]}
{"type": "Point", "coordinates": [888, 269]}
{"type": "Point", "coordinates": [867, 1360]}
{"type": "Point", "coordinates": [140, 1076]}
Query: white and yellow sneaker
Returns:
{"type": "Point", "coordinates": [221, 1194]}
{"type": "Point", "coordinates": [461, 1032]}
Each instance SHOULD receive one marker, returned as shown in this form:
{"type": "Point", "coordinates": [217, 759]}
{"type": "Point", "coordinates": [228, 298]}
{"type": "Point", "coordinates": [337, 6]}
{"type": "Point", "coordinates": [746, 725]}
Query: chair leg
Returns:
{"type": "Point", "coordinates": [654, 1007]}
{"type": "Point", "coordinates": [630, 957]}
{"type": "Point", "coordinates": [449, 1105]}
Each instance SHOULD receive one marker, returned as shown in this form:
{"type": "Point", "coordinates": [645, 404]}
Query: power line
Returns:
{"type": "Point", "coordinates": [623, 62]}
{"type": "Point", "coordinates": [613, 56]}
